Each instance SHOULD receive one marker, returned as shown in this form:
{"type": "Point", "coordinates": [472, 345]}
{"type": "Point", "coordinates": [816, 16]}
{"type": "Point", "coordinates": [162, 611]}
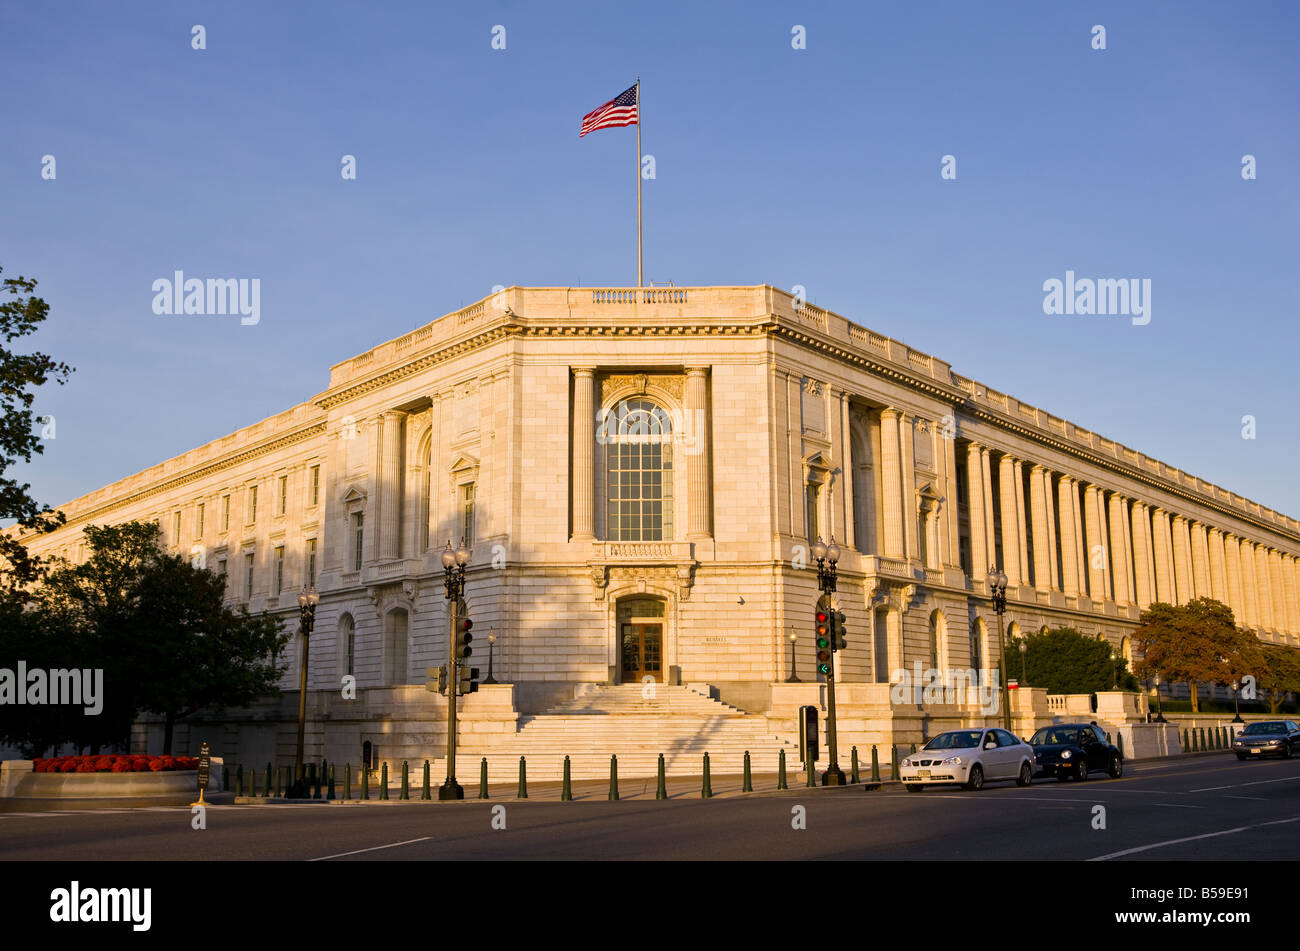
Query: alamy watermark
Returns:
{"type": "Point", "coordinates": [84, 688]}
{"type": "Point", "coordinates": [1103, 297]}
{"type": "Point", "coordinates": [211, 298]}
{"type": "Point", "coordinates": [949, 685]}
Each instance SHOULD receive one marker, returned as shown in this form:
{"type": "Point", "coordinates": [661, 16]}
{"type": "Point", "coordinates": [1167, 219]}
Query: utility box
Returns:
{"type": "Point", "coordinates": [809, 751]}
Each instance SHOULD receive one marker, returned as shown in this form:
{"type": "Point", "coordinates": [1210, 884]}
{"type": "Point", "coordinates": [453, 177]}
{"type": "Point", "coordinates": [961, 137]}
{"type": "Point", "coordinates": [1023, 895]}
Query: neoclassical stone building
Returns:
{"type": "Point", "coordinates": [638, 473]}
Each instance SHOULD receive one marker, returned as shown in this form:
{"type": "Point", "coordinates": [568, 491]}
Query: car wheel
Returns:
{"type": "Point", "coordinates": [914, 787]}
{"type": "Point", "coordinates": [1286, 750]}
{"type": "Point", "coordinates": [1241, 756]}
{"type": "Point", "coordinates": [1026, 775]}
{"type": "Point", "coordinates": [976, 780]}
{"type": "Point", "coordinates": [1062, 775]}
{"type": "Point", "coordinates": [1081, 772]}
{"type": "Point", "coordinates": [1116, 768]}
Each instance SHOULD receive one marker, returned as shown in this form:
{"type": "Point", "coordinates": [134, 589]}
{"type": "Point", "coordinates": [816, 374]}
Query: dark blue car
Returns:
{"type": "Point", "coordinates": [1073, 750]}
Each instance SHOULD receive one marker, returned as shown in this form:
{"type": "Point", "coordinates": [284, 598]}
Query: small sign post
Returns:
{"type": "Point", "coordinates": [205, 764]}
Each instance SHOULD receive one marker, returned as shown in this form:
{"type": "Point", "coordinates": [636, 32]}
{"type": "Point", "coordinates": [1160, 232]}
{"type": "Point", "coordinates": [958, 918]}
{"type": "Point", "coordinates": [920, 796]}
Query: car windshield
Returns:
{"type": "Point", "coordinates": [1258, 728]}
{"type": "Point", "coordinates": [957, 740]}
{"type": "Point", "coordinates": [1055, 736]}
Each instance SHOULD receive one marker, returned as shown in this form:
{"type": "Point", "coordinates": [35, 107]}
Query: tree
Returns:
{"type": "Point", "coordinates": [1197, 642]}
{"type": "Point", "coordinates": [19, 374]}
{"type": "Point", "coordinates": [1279, 674]}
{"type": "Point", "coordinates": [1065, 661]}
{"type": "Point", "coordinates": [159, 628]}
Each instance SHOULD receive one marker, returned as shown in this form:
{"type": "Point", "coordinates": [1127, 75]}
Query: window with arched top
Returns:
{"type": "Point", "coordinates": [638, 440]}
{"type": "Point", "coordinates": [347, 640]}
{"type": "Point", "coordinates": [395, 623]}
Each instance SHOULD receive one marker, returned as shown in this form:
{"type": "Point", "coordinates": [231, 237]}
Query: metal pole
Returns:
{"type": "Point", "coordinates": [1002, 662]}
{"type": "Point", "coordinates": [450, 787]}
{"type": "Point", "coordinates": [305, 631]}
{"type": "Point", "coordinates": [639, 281]}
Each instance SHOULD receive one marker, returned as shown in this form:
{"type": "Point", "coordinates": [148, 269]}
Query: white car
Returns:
{"type": "Point", "coordinates": [969, 758]}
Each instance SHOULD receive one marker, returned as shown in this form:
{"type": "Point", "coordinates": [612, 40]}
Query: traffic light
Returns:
{"type": "Point", "coordinates": [823, 639]}
{"type": "Point", "coordinates": [463, 637]}
{"type": "Point", "coordinates": [468, 680]}
{"type": "Point", "coordinates": [838, 643]}
{"type": "Point", "coordinates": [441, 674]}
{"type": "Point", "coordinates": [442, 680]}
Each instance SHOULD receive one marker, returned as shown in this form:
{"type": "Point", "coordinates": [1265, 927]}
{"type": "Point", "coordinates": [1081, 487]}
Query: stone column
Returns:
{"type": "Point", "coordinates": [699, 504]}
{"type": "Point", "coordinates": [1072, 580]}
{"type": "Point", "coordinates": [1119, 552]}
{"type": "Point", "coordinates": [1200, 560]}
{"type": "Point", "coordinates": [584, 444]}
{"type": "Point", "coordinates": [911, 510]}
{"type": "Point", "coordinates": [1022, 524]}
{"type": "Point", "coordinates": [948, 511]}
{"type": "Point", "coordinates": [1289, 594]}
{"type": "Point", "coordinates": [1010, 522]}
{"type": "Point", "coordinates": [1183, 561]}
{"type": "Point", "coordinates": [1049, 508]}
{"type": "Point", "coordinates": [1232, 570]}
{"type": "Point", "coordinates": [1165, 589]}
{"type": "Point", "coordinates": [1144, 578]}
{"type": "Point", "coordinates": [1277, 590]}
{"type": "Point", "coordinates": [891, 482]}
{"type": "Point", "coordinates": [991, 543]}
{"type": "Point", "coordinates": [1218, 568]}
{"type": "Point", "coordinates": [1249, 587]}
{"type": "Point", "coordinates": [1098, 580]}
{"type": "Point", "coordinates": [1041, 528]}
{"type": "Point", "coordinates": [391, 435]}
{"type": "Point", "coordinates": [1263, 587]}
{"type": "Point", "coordinates": [979, 551]}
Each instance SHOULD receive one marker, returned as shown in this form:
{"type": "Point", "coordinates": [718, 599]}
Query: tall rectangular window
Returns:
{"type": "Point", "coordinates": [225, 513]}
{"type": "Point", "coordinates": [176, 528]}
{"type": "Point", "coordinates": [814, 526]}
{"type": "Point", "coordinates": [282, 498]}
{"type": "Point", "coordinates": [198, 521]}
{"type": "Point", "coordinates": [467, 512]}
{"type": "Point", "coordinates": [252, 504]}
{"type": "Point", "coordinates": [311, 563]}
{"type": "Point", "coordinates": [313, 496]}
{"type": "Point", "coordinates": [248, 577]}
{"type": "Point", "coordinates": [279, 571]}
{"type": "Point", "coordinates": [358, 536]}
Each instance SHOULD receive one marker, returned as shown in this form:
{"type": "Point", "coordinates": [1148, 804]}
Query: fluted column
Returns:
{"type": "Point", "coordinates": [1200, 560]}
{"type": "Point", "coordinates": [911, 508]}
{"type": "Point", "coordinates": [1144, 577]}
{"type": "Point", "coordinates": [390, 484]}
{"type": "Point", "coordinates": [584, 444]}
{"type": "Point", "coordinates": [1098, 582]}
{"type": "Point", "coordinates": [891, 482]}
{"type": "Point", "coordinates": [1182, 561]}
{"type": "Point", "coordinates": [990, 536]}
{"type": "Point", "coordinates": [948, 510]}
{"type": "Point", "coordinates": [1263, 588]}
{"type": "Point", "coordinates": [979, 551]}
{"type": "Point", "coordinates": [1010, 522]}
{"type": "Point", "coordinates": [1218, 568]}
{"type": "Point", "coordinates": [1289, 595]}
{"type": "Point", "coordinates": [1022, 525]}
{"type": "Point", "coordinates": [1069, 507]}
{"type": "Point", "coordinates": [1277, 589]}
{"type": "Point", "coordinates": [1119, 551]}
{"type": "Point", "coordinates": [1040, 526]}
{"type": "Point", "coordinates": [700, 496]}
{"type": "Point", "coordinates": [1165, 589]}
{"type": "Point", "coordinates": [1249, 587]}
{"type": "Point", "coordinates": [1232, 567]}
{"type": "Point", "coordinates": [1049, 509]}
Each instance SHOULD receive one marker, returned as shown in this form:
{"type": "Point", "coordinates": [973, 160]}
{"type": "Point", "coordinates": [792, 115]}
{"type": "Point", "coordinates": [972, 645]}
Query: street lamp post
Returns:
{"type": "Point", "coordinates": [453, 565]}
{"type": "Point", "coordinates": [306, 621]}
{"type": "Point", "coordinates": [492, 639]}
{"type": "Point", "coordinates": [1160, 717]}
{"type": "Point", "coordinates": [794, 662]}
{"type": "Point", "coordinates": [1236, 702]}
{"type": "Point", "coordinates": [997, 581]}
{"type": "Point", "coordinates": [826, 557]}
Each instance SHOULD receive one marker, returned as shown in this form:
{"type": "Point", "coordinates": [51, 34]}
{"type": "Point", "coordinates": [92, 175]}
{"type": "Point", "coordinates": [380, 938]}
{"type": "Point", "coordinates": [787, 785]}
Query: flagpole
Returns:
{"type": "Point", "coordinates": [639, 282]}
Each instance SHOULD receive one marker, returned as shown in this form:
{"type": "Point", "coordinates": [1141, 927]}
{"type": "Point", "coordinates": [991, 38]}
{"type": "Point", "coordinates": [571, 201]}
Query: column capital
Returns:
{"type": "Point", "coordinates": [1036, 467]}
{"type": "Point", "coordinates": [892, 412]}
{"type": "Point", "coordinates": [584, 371]}
{"type": "Point", "coordinates": [697, 371]}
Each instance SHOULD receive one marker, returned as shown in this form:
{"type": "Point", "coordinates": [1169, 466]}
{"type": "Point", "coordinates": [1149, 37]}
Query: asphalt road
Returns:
{"type": "Point", "coordinates": [1200, 808]}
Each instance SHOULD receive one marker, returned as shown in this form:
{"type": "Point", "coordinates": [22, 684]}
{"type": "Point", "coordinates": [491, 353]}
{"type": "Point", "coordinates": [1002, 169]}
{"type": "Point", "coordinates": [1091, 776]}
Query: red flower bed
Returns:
{"type": "Point", "coordinates": [115, 764]}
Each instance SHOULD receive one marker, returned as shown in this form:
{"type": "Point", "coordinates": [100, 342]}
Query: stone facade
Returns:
{"type": "Point", "coordinates": [667, 453]}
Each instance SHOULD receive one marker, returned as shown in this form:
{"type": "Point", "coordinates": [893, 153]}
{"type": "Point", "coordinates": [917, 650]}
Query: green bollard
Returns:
{"type": "Point", "coordinates": [706, 788]}
{"type": "Point", "coordinates": [383, 780]}
{"type": "Point", "coordinates": [749, 781]}
{"type": "Point", "coordinates": [315, 781]}
{"type": "Point", "coordinates": [875, 764]}
{"type": "Point", "coordinates": [566, 788]}
{"type": "Point", "coordinates": [405, 794]}
{"type": "Point", "coordinates": [1223, 738]}
{"type": "Point", "coordinates": [482, 778]}
{"type": "Point", "coordinates": [811, 780]}
{"type": "Point", "coordinates": [893, 762]}
{"type": "Point", "coordinates": [661, 789]}
{"type": "Point", "coordinates": [1205, 740]}
{"type": "Point", "coordinates": [225, 778]}
{"type": "Point", "coordinates": [239, 780]}
{"type": "Point", "coordinates": [613, 777]}
{"type": "Point", "coordinates": [365, 783]}
{"type": "Point", "coordinates": [424, 791]}
{"type": "Point", "coordinates": [853, 776]}
{"type": "Point", "coordinates": [913, 748]}
{"type": "Point", "coordinates": [1119, 744]}
{"type": "Point", "coordinates": [269, 784]}
{"type": "Point", "coordinates": [523, 780]}
{"type": "Point", "coordinates": [252, 782]}
{"type": "Point", "coordinates": [780, 772]}
{"type": "Point", "coordinates": [347, 781]}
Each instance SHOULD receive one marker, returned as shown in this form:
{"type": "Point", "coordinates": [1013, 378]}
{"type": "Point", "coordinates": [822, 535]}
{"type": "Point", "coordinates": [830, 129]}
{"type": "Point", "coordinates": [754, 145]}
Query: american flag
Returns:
{"type": "Point", "coordinates": [619, 111]}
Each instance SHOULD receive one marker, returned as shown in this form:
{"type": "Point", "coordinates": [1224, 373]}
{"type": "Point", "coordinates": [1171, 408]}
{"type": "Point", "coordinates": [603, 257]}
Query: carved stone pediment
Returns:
{"type": "Point", "coordinates": [664, 564]}
{"type": "Point", "coordinates": [631, 385]}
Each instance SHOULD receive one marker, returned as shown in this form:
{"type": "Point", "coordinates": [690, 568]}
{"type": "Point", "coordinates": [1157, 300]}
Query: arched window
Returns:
{"type": "Point", "coordinates": [395, 646]}
{"type": "Point", "coordinates": [938, 636]}
{"type": "Point", "coordinates": [638, 438]}
{"type": "Point", "coordinates": [347, 639]}
{"type": "Point", "coordinates": [977, 650]}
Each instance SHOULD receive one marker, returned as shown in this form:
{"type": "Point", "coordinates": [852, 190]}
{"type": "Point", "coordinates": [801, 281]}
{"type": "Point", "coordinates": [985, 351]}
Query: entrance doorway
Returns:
{"type": "Point", "coordinates": [641, 647]}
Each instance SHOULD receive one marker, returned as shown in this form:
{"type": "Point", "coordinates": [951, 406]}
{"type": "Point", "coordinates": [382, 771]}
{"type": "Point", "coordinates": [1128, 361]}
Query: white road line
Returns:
{"type": "Point", "coordinates": [1258, 782]}
{"type": "Point", "coordinates": [1251, 798]}
{"type": "Point", "coordinates": [1190, 838]}
{"type": "Point", "coordinates": [1177, 805]}
{"type": "Point", "coordinates": [376, 848]}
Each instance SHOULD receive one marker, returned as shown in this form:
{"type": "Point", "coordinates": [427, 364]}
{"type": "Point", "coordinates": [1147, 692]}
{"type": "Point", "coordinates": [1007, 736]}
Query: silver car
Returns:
{"type": "Point", "coordinates": [969, 758]}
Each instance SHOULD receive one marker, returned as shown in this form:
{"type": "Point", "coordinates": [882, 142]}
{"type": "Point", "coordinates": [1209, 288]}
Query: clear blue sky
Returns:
{"type": "Point", "coordinates": [817, 167]}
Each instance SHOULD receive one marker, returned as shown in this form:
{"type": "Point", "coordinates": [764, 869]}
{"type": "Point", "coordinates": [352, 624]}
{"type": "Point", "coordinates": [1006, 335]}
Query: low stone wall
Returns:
{"type": "Point", "coordinates": [22, 790]}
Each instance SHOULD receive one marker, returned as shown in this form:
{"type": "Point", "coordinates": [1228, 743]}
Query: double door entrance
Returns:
{"type": "Point", "coordinates": [641, 651]}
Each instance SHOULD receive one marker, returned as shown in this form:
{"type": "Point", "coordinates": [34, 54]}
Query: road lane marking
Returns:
{"type": "Point", "coordinates": [1258, 782]}
{"type": "Point", "coordinates": [1190, 838]}
{"type": "Point", "coordinates": [1177, 805]}
{"type": "Point", "coordinates": [391, 845]}
{"type": "Point", "coordinates": [1251, 798]}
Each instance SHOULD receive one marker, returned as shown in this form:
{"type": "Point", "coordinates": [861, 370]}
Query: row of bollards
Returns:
{"type": "Point", "coordinates": [1197, 740]}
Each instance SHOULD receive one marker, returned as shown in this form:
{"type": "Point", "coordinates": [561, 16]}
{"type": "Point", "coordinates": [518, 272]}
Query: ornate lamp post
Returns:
{"type": "Point", "coordinates": [997, 582]}
{"type": "Point", "coordinates": [306, 621]}
{"type": "Point", "coordinates": [453, 566]}
{"type": "Point", "coordinates": [492, 639]}
{"type": "Point", "coordinates": [1160, 717]}
{"type": "Point", "coordinates": [1236, 701]}
{"type": "Point", "coordinates": [826, 557]}
{"type": "Point", "coordinates": [794, 670]}
{"type": "Point", "coordinates": [1024, 648]}
{"type": "Point", "coordinates": [1114, 669]}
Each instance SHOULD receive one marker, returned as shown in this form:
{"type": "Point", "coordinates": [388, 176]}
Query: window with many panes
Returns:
{"type": "Point", "coordinates": [310, 580]}
{"type": "Point", "coordinates": [282, 496]}
{"type": "Point", "coordinates": [252, 504]}
{"type": "Point", "coordinates": [639, 472]}
{"type": "Point", "coordinates": [248, 577]}
{"type": "Point", "coordinates": [225, 513]}
{"type": "Point", "coordinates": [358, 538]}
{"type": "Point", "coordinates": [467, 512]}
{"type": "Point", "coordinates": [198, 520]}
{"type": "Point", "coordinates": [313, 493]}
{"type": "Point", "coordinates": [279, 571]}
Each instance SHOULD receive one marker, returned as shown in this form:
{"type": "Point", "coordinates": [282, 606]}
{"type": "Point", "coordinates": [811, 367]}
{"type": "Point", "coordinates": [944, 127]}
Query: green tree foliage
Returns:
{"type": "Point", "coordinates": [1197, 642]}
{"type": "Point", "coordinates": [1065, 661]}
{"type": "Point", "coordinates": [1279, 674]}
{"type": "Point", "coordinates": [20, 314]}
{"type": "Point", "coordinates": [158, 628]}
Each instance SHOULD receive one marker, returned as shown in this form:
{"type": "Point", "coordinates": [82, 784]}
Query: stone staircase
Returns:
{"type": "Point", "coordinates": [679, 722]}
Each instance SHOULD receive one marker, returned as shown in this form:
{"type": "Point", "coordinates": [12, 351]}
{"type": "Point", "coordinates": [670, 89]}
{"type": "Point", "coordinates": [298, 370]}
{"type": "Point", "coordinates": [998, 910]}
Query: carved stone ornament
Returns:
{"type": "Point", "coordinates": [629, 385]}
